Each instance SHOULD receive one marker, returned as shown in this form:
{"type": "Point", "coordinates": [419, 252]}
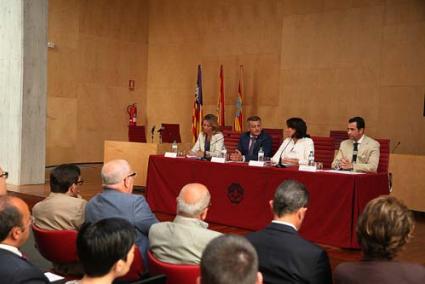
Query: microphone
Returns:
{"type": "Point", "coordinates": [153, 132]}
{"type": "Point", "coordinates": [161, 129]}
{"type": "Point", "coordinates": [280, 165]}
{"type": "Point", "coordinates": [222, 138]}
{"type": "Point", "coordinates": [395, 147]}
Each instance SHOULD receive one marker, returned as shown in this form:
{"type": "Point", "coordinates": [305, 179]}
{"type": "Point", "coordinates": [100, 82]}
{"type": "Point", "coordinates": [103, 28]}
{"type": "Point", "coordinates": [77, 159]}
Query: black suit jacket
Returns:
{"type": "Point", "coordinates": [263, 140]}
{"type": "Point", "coordinates": [14, 269]}
{"type": "Point", "coordinates": [285, 257]}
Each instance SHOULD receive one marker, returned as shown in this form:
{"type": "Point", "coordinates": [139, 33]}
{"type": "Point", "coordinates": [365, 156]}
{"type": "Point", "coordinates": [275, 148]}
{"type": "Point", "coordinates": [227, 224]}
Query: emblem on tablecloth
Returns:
{"type": "Point", "coordinates": [235, 193]}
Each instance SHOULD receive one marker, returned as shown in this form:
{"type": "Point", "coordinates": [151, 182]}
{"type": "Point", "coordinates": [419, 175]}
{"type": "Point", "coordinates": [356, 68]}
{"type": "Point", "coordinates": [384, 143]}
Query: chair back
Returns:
{"type": "Point", "coordinates": [136, 269]}
{"type": "Point", "coordinates": [56, 246]}
{"type": "Point", "coordinates": [384, 155]}
{"type": "Point", "coordinates": [227, 127]}
{"type": "Point", "coordinates": [176, 273]}
{"type": "Point", "coordinates": [136, 133]}
{"type": "Point", "coordinates": [170, 133]}
{"type": "Point", "coordinates": [338, 136]}
{"type": "Point", "coordinates": [231, 140]}
{"type": "Point", "coordinates": [277, 136]}
{"type": "Point", "coordinates": [324, 150]}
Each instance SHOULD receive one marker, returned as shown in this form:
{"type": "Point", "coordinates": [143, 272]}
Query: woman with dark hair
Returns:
{"type": "Point", "coordinates": [383, 229]}
{"type": "Point", "coordinates": [210, 139]}
{"type": "Point", "coordinates": [296, 148]}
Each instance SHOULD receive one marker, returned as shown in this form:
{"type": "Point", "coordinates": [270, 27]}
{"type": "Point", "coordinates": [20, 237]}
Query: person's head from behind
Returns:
{"type": "Point", "coordinates": [290, 202]}
{"type": "Point", "coordinates": [15, 221]}
{"type": "Point", "coordinates": [384, 227]}
{"type": "Point", "coordinates": [229, 259]}
{"type": "Point", "coordinates": [210, 124]}
{"type": "Point", "coordinates": [296, 128]}
{"type": "Point", "coordinates": [118, 175]}
{"type": "Point", "coordinates": [66, 178]}
{"type": "Point", "coordinates": [254, 125]}
{"type": "Point", "coordinates": [355, 128]}
{"type": "Point", "coordinates": [106, 248]}
{"type": "Point", "coordinates": [193, 201]}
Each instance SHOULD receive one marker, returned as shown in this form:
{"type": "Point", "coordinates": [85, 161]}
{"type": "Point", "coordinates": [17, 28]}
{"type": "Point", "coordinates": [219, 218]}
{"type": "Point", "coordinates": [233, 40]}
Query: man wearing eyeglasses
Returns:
{"type": "Point", "coordinates": [116, 200]}
{"type": "Point", "coordinates": [3, 177]}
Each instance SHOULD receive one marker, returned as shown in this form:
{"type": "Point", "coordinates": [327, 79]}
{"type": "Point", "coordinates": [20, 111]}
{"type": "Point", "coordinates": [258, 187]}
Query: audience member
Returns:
{"type": "Point", "coordinates": [210, 139]}
{"type": "Point", "coordinates": [229, 259]}
{"type": "Point", "coordinates": [183, 240]}
{"type": "Point", "coordinates": [250, 142]}
{"type": "Point", "coordinates": [296, 148]}
{"type": "Point", "coordinates": [360, 153]}
{"type": "Point", "coordinates": [106, 250]}
{"type": "Point", "coordinates": [64, 208]}
{"type": "Point", "coordinates": [15, 226]}
{"type": "Point", "coordinates": [117, 200]}
{"type": "Point", "coordinates": [383, 229]}
{"type": "Point", "coordinates": [284, 256]}
{"type": "Point", "coordinates": [3, 176]}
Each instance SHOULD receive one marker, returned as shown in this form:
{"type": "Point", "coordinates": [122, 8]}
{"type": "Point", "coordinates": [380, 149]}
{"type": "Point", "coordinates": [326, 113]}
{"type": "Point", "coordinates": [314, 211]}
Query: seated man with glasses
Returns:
{"type": "Point", "coordinates": [183, 240]}
{"type": "Point", "coordinates": [63, 209]}
{"type": "Point", "coordinates": [117, 201]}
{"type": "Point", "coordinates": [3, 176]}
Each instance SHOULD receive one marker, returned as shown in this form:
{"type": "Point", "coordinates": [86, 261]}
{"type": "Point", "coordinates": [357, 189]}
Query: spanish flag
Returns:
{"type": "Point", "coordinates": [197, 108]}
{"type": "Point", "coordinates": [220, 103]}
{"type": "Point", "coordinates": [239, 116]}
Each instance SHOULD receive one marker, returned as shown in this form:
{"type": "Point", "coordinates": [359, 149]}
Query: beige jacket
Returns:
{"type": "Point", "coordinates": [367, 157]}
{"type": "Point", "coordinates": [181, 241]}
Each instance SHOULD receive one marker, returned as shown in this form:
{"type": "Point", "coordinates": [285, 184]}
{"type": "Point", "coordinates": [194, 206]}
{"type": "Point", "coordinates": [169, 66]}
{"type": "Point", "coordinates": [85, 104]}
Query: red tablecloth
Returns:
{"type": "Point", "coordinates": [240, 195]}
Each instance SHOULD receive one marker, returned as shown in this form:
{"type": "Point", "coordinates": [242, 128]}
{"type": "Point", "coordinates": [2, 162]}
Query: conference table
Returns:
{"type": "Point", "coordinates": [240, 195]}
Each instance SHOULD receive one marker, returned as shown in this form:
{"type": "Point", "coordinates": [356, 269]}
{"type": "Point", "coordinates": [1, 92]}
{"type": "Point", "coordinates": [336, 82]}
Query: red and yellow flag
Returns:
{"type": "Point", "coordinates": [220, 103]}
{"type": "Point", "coordinates": [238, 115]}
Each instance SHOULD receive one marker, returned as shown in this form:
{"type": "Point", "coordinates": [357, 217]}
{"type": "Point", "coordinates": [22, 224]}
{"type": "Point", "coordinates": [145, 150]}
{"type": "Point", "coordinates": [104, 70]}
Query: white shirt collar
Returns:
{"type": "Point", "coordinates": [11, 249]}
{"type": "Point", "coordinates": [284, 223]}
{"type": "Point", "coordinates": [360, 140]}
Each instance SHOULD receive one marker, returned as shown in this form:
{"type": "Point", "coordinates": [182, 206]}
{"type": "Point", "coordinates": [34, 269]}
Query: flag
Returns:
{"type": "Point", "coordinates": [238, 115]}
{"type": "Point", "coordinates": [220, 103]}
{"type": "Point", "coordinates": [197, 108]}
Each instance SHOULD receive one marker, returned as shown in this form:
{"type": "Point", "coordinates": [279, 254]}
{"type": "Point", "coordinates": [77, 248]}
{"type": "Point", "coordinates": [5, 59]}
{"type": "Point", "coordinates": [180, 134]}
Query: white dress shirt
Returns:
{"type": "Point", "coordinates": [12, 249]}
{"type": "Point", "coordinates": [294, 150]}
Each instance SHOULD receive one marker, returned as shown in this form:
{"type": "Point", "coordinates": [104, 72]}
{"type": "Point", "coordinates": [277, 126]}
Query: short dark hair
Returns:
{"type": "Point", "coordinates": [253, 118]}
{"type": "Point", "coordinates": [290, 196]}
{"type": "Point", "coordinates": [63, 176]}
{"type": "Point", "coordinates": [229, 259]}
{"type": "Point", "coordinates": [100, 245]}
{"type": "Point", "coordinates": [358, 120]}
{"type": "Point", "coordinates": [384, 227]}
{"type": "Point", "coordinates": [299, 125]}
{"type": "Point", "coordinates": [10, 217]}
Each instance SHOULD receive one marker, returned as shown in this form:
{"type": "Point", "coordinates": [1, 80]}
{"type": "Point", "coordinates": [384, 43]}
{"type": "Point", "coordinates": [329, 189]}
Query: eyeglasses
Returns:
{"type": "Point", "coordinates": [80, 182]}
{"type": "Point", "coordinates": [131, 175]}
{"type": "Point", "coordinates": [5, 175]}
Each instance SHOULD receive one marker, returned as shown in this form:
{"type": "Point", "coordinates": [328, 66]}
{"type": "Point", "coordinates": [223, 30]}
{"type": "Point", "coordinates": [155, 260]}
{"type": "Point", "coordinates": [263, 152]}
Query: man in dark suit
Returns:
{"type": "Point", "coordinates": [250, 142]}
{"type": "Point", "coordinates": [284, 256]}
{"type": "Point", "coordinates": [117, 200]}
{"type": "Point", "coordinates": [15, 226]}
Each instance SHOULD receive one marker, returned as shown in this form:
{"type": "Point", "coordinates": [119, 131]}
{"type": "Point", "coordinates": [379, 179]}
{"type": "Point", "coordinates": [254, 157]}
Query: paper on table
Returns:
{"type": "Point", "coordinates": [53, 277]}
{"type": "Point", "coordinates": [342, 172]}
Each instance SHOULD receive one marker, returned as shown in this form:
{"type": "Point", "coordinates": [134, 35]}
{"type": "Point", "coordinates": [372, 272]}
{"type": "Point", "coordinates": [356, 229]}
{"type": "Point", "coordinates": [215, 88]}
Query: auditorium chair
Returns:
{"type": "Point", "coordinates": [227, 128]}
{"type": "Point", "coordinates": [170, 133]}
{"type": "Point", "coordinates": [176, 273]}
{"type": "Point", "coordinates": [324, 150]}
{"type": "Point", "coordinates": [231, 140]}
{"type": "Point", "coordinates": [384, 155]}
{"type": "Point", "coordinates": [60, 246]}
{"type": "Point", "coordinates": [338, 136]}
{"type": "Point", "coordinates": [277, 137]}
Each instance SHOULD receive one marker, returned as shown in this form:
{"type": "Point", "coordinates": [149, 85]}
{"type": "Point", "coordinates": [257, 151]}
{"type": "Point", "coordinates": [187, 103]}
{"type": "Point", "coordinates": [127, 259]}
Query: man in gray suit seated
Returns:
{"type": "Point", "coordinates": [117, 200]}
{"type": "Point", "coordinates": [183, 240]}
{"type": "Point", "coordinates": [360, 153]}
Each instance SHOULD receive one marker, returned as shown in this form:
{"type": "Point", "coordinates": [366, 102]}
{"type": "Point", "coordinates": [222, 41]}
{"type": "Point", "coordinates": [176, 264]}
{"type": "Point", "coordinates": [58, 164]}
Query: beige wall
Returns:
{"type": "Point", "coordinates": [322, 60]}
{"type": "Point", "coordinates": [100, 46]}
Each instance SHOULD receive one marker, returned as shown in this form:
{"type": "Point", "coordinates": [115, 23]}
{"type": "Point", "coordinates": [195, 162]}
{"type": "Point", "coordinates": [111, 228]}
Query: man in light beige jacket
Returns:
{"type": "Point", "coordinates": [183, 240]}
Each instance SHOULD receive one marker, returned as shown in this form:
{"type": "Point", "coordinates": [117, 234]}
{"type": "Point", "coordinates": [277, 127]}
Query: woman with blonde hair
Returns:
{"type": "Point", "coordinates": [210, 140]}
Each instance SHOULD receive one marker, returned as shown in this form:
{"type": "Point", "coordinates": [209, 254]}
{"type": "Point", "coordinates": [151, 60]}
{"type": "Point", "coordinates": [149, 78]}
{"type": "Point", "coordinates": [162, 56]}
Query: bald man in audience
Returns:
{"type": "Point", "coordinates": [15, 227]}
{"type": "Point", "coordinates": [3, 177]}
{"type": "Point", "coordinates": [183, 240]}
{"type": "Point", "coordinates": [117, 200]}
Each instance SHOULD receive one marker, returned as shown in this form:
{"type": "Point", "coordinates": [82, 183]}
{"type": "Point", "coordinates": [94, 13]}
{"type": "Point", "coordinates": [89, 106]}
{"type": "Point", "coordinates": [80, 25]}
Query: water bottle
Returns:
{"type": "Point", "coordinates": [224, 152]}
{"type": "Point", "coordinates": [261, 155]}
{"type": "Point", "coordinates": [174, 147]}
{"type": "Point", "coordinates": [311, 159]}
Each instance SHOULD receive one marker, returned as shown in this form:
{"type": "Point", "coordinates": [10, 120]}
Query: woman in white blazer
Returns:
{"type": "Point", "coordinates": [296, 148]}
{"type": "Point", "coordinates": [210, 139]}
